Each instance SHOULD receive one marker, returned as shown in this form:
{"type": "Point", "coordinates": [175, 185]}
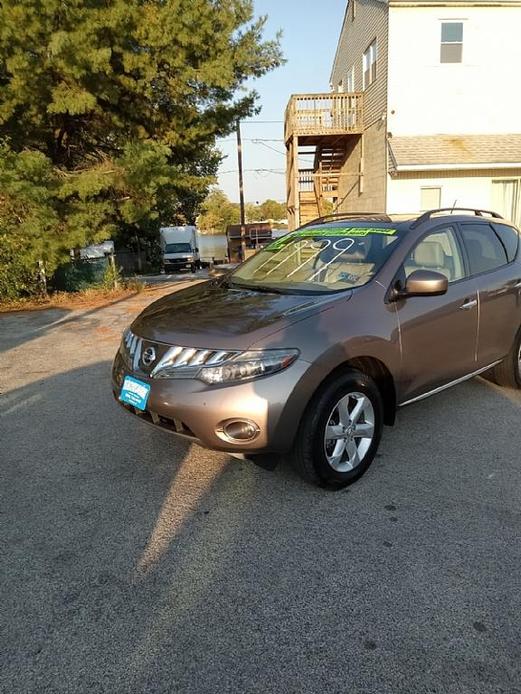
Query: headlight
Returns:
{"type": "Point", "coordinates": [249, 365]}
{"type": "Point", "coordinates": [213, 366]}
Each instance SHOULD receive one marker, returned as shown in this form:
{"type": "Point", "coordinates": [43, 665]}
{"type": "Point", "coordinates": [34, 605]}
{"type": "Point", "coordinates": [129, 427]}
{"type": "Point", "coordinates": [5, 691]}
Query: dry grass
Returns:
{"type": "Point", "coordinates": [96, 296]}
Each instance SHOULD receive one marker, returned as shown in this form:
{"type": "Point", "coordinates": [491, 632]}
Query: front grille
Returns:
{"type": "Point", "coordinates": [174, 426]}
{"type": "Point", "coordinates": [185, 360]}
{"type": "Point", "coordinates": [131, 349]}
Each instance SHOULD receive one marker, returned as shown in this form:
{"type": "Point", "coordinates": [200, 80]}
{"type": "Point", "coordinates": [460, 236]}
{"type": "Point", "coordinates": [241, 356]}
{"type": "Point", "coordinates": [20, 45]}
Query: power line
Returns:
{"type": "Point", "coordinates": [255, 139]}
{"type": "Point", "coordinates": [278, 151]}
{"type": "Point", "coordinates": [263, 141]}
{"type": "Point", "coordinates": [230, 171]}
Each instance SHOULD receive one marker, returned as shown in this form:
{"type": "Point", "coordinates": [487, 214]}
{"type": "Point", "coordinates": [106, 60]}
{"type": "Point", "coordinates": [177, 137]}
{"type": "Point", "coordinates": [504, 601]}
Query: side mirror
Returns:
{"type": "Point", "coordinates": [425, 283]}
{"type": "Point", "coordinates": [196, 250]}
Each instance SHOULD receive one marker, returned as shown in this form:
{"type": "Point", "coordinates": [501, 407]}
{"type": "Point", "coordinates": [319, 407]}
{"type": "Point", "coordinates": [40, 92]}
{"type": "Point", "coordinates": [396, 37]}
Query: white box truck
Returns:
{"type": "Point", "coordinates": [179, 248]}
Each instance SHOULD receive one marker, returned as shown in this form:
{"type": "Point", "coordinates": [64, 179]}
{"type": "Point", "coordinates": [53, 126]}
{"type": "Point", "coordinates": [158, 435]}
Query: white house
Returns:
{"type": "Point", "coordinates": [424, 112]}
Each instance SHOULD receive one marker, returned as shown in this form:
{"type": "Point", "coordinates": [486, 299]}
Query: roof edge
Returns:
{"type": "Point", "coordinates": [454, 3]}
{"type": "Point", "coordinates": [335, 59]}
{"type": "Point", "coordinates": [399, 168]}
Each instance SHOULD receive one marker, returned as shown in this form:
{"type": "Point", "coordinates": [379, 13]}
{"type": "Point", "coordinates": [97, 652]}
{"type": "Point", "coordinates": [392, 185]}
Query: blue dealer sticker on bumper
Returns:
{"type": "Point", "coordinates": [135, 393]}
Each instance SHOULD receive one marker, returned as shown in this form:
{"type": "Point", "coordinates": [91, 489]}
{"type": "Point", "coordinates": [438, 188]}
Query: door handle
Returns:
{"type": "Point", "coordinates": [469, 304]}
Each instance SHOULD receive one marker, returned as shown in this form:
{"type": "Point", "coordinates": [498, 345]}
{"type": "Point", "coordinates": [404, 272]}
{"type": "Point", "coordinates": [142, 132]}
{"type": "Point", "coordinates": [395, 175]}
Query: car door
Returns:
{"type": "Point", "coordinates": [438, 333]}
{"type": "Point", "coordinates": [491, 249]}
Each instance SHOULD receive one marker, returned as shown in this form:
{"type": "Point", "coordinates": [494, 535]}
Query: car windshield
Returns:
{"type": "Point", "coordinates": [178, 248]}
{"type": "Point", "coordinates": [319, 259]}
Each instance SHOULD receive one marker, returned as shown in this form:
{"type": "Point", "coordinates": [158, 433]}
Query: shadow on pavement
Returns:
{"type": "Point", "coordinates": [133, 562]}
{"type": "Point", "coordinates": [20, 327]}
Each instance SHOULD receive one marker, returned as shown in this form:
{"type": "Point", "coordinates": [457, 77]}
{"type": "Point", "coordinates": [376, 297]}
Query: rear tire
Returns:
{"type": "Point", "coordinates": [508, 372]}
{"type": "Point", "coordinates": [327, 451]}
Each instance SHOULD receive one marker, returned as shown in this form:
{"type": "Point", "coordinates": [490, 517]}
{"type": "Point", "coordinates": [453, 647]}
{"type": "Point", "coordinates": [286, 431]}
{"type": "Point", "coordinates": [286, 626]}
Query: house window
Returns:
{"type": "Point", "coordinates": [430, 199]}
{"type": "Point", "coordinates": [506, 199]}
{"type": "Point", "coordinates": [350, 81]}
{"type": "Point", "coordinates": [353, 9]}
{"type": "Point", "coordinates": [340, 87]}
{"type": "Point", "coordinates": [451, 42]}
{"type": "Point", "coordinates": [369, 65]}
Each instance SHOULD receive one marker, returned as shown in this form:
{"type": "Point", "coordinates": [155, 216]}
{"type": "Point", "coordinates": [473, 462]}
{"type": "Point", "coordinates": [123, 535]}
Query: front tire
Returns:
{"type": "Point", "coordinates": [340, 431]}
{"type": "Point", "coordinates": [508, 372]}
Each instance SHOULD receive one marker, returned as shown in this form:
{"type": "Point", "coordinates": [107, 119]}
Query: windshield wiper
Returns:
{"type": "Point", "coordinates": [257, 287]}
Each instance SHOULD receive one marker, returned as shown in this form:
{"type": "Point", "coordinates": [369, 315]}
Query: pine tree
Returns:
{"type": "Point", "coordinates": [109, 112]}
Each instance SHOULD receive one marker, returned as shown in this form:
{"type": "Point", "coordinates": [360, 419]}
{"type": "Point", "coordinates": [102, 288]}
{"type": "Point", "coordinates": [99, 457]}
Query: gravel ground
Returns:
{"type": "Point", "coordinates": [132, 562]}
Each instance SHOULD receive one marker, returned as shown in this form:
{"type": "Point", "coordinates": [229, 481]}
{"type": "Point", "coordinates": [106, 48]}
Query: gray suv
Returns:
{"type": "Point", "coordinates": [307, 349]}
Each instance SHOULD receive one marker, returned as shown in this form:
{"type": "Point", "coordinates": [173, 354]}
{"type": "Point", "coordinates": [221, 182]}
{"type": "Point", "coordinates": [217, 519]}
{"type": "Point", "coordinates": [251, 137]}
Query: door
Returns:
{"type": "Point", "coordinates": [491, 250]}
{"type": "Point", "coordinates": [438, 333]}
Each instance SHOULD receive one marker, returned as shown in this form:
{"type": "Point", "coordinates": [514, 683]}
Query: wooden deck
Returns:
{"type": "Point", "coordinates": [324, 114]}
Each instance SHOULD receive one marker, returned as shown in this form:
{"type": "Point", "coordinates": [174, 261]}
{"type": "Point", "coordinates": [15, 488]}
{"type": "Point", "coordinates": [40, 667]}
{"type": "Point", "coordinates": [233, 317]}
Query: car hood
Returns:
{"type": "Point", "coordinates": [212, 314]}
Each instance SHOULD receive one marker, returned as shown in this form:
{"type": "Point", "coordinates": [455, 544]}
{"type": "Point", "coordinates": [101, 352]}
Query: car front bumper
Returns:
{"type": "Point", "coordinates": [194, 410]}
{"type": "Point", "coordinates": [178, 263]}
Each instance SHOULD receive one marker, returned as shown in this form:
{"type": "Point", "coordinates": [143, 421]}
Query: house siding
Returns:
{"type": "Point", "coordinates": [369, 156]}
{"type": "Point", "coordinates": [466, 188]}
{"type": "Point", "coordinates": [477, 96]}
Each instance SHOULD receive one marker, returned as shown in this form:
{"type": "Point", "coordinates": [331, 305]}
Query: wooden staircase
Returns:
{"type": "Point", "coordinates": [320, 185]}
{"type": "Point", "coordinates": [323, 125]}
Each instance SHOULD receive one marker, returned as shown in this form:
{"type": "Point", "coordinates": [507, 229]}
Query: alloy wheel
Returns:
{"type": "Point", "coordinates": [350, 431]}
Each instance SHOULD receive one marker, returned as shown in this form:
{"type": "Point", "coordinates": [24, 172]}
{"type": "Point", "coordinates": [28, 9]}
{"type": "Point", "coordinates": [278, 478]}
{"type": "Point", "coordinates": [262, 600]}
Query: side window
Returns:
{"type": "Point", "coordinates": [369, 64]}
{"type": "Point", "coordinates": [485, 250]}
{"type": "Point", "coordinates": [509, 237]}
{"type": "Point", "coordinates": [438, 252]}
{"type": "Point", "coordinates": [350, 84]}
{"type": "Point", "coordinates": [451, 50]}
{"type": "Point", "coordinates": [430, 198]}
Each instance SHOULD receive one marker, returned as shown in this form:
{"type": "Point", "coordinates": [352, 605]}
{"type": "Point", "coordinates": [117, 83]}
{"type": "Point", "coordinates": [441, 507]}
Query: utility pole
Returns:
{"type": "Point", "coordinates": [241, 193]}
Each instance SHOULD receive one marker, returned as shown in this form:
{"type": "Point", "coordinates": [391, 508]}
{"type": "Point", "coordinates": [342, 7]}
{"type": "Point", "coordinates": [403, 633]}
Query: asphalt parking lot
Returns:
{"type": "Point", "coordinates": [133, 562]}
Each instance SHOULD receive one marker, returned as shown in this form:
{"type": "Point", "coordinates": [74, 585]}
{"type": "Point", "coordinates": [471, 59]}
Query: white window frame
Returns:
{"type": "Point", "coordinates": [515, 212]}
{"type": "Point", "coordinates": [451, 43]}
{"type": "Point", "coordinates": [369, 60]}
{"type": "Point", "coordinates": [426, 208]}
{"type": "Point", "coordinates": [350, 81]}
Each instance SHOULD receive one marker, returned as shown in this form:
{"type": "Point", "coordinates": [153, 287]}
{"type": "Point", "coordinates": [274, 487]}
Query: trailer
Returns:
{"type": "Point", "coordinates": [256, 236]}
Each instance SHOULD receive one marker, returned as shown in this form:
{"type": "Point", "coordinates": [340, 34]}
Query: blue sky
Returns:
{"type": "Point", "coordinates": [310, 33]}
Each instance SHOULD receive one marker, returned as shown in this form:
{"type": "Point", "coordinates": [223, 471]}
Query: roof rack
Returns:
{"type": "Point", "coordinates": [367, 216]}
{"type": "Point", "coordinates": [477, 213]}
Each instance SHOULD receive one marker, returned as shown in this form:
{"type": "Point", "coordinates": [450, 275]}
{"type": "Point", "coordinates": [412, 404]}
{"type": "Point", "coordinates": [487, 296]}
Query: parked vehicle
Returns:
{"type": "Point", "coordinates": [308, 348]}
{"type": "Point", "coordinates": [179, 248]}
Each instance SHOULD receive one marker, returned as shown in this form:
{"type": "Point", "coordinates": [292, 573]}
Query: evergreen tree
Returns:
{"type": "Point", "coordinates": [109, 111]}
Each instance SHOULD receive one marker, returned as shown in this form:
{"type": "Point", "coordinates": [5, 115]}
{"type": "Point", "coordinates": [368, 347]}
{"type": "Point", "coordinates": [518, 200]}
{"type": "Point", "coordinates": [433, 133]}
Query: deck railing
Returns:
{"type": "Point", "coordinates": [324, 114]}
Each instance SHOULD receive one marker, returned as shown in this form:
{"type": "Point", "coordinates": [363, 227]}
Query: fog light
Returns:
{"type": "Point", "coordinates": [238, 430]}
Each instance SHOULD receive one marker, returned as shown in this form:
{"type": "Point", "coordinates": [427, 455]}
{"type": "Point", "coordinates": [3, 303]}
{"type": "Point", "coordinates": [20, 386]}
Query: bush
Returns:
{"type": "Point", "coordinates": [16, 278]}
{"type": "Point", "coordinates": [80, 275]}
{"type": "Point", "coordinates": [134, 285]}
{"type": "Point", "coordinates": [112, 276]}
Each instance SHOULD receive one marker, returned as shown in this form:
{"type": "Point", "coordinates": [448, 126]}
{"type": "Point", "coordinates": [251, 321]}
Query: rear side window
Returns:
{"type": "Point", "coordinates": [485, 250]}
{"type": "Point", "coordinates": [509, 237]}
